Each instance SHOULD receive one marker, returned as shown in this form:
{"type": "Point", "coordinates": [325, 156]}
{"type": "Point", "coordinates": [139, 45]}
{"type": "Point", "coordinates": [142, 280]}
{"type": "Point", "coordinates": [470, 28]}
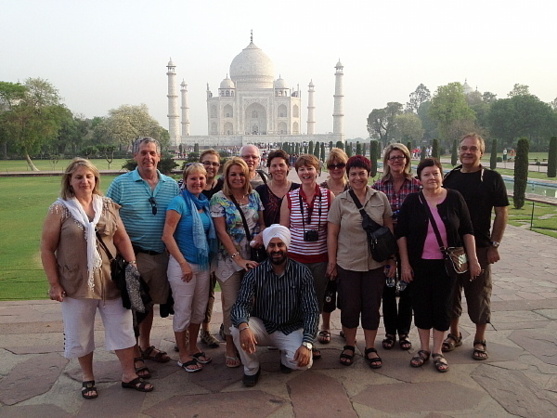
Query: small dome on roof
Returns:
{"type": "Point", "coordinates": [280, 83]}
{"type": "Point", "coordinates": [227, 83]}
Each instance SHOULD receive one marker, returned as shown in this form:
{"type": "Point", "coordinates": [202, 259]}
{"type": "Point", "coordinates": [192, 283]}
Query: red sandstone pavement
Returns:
{"type": "Point", "coordinates": [519, 378]}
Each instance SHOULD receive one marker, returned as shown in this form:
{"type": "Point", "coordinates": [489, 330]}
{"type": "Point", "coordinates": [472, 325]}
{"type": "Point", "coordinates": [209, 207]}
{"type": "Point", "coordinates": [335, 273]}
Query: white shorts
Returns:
{"type": "Point", "coordinates": [190, 298]}
{"type": "Point", "coordinates": [79, 325]}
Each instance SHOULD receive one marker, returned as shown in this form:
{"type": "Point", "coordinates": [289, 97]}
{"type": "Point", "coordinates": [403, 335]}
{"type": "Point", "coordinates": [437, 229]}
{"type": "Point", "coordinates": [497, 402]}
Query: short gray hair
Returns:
{"type": "Point", "coordinates": [146, 140]}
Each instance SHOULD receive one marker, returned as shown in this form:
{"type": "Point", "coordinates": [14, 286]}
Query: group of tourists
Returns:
{"type": "Point", "coordinates": [276, 248]}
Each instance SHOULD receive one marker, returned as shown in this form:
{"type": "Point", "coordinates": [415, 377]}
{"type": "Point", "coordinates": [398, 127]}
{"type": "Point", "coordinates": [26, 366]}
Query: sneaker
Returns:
{"type": "Point", "coordinates": [208, 339]}
{"type": "Point", "coordinates": [251, 381]}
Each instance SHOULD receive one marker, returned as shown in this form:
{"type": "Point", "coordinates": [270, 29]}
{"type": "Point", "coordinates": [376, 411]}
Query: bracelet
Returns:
{"type": "Point", "coordinates": [245, 328]}
{"type": "Point", "coordinates": [236, 254]}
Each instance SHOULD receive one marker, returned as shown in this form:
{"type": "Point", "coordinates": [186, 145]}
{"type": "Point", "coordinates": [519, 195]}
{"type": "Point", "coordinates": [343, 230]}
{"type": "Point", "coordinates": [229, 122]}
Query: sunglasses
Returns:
{"type": "Point", "coordinates": [335, 166]}
{"type": "Point", "coordinates": [397, 157]}
{"type": "Point", "coordinates": [153, 203]}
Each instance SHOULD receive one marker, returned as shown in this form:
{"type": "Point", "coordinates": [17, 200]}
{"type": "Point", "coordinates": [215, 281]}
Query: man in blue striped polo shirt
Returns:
{"type": "Point", "coordinates": [144, 194]}
{"type": "Point", "coordinates": [276, 306]}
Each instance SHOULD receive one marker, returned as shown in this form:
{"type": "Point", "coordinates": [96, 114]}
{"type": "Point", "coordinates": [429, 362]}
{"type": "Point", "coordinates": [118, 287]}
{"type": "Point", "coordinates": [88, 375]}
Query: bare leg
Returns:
{"type": "Point", "coordinates": [350, 335]}
{"type": "Point", "coordinates": [370, 335]}
{"type": "Point", "coordinates": [145, 331]}
{"type": "Point", "coordinates": [438, 337]}
{"type": "Point", "coordinates": [424, 338]}
{"type": "Point", "coordinates": [326, 325]}
{"type": "Point", "coordinates": [454, 327]}
{"type": "Point", "coordinates": [86, 363]}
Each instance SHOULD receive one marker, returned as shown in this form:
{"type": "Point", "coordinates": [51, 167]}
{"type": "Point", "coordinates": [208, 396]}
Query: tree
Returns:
{"type": "Point", "coordinates": [358, 148]}
{"type": "Point", "coordinates": [520, 172]}
{"type": "Point", "coordinates": [127, 123]}
{"type": "Point", "coordinates": [322, 157]}
{"type": "Point", "coordinates": [10, 95]}
{"type": "Point", "coordinates": [34, 118]}
{"type": "Point", "coordinates": [450, 108]}
{"type": "Point", "coordinates": [454, 153]}
{"type": "Point", "coordinates": [493, 157]}
{"type": "Point", "coordinates": [408, 127]}
{"type": "Point", "coordinates": [310, 149]}
{"type": "Point", "coordinates": [552, 158]}
{"type": "Point", "coordinates": [417, 98]}
{"type": "Point", "coordinates": [374, 148]}
{"type": "Point", "coordinates": [381, 122]}
{"type": "Point", "coordinates": [519, 90]}
{"type": "Point", "coordinates": [348, 149]}
{"type": "Point", "coordinates": [435, 151]}
{"type": "Point", "coordinates": [340, 145]}
{"type": "Point", "coordinates": [523, 116]}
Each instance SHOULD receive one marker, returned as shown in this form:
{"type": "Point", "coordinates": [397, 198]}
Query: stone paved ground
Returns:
{"type": "Point", "coordinates": [519, 379]}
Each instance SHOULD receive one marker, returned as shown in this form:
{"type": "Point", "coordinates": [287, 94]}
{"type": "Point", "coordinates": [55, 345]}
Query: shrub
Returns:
{"type": "Point", "coordinates": [520, 172]}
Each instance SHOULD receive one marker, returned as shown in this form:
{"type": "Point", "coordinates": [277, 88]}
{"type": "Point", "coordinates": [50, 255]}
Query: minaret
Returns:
{"type": "Point", "coordinates": [311, 109]}
{"type": "Point", "coordinates": [185, 110]}
{"type": "Point", "coordinates": [338, 112]}
{"type": "Point", "coordinates": [173, 116]}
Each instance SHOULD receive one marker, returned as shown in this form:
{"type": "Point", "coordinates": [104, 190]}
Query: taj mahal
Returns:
{"type": "Point", "coordinates": [251, 106]}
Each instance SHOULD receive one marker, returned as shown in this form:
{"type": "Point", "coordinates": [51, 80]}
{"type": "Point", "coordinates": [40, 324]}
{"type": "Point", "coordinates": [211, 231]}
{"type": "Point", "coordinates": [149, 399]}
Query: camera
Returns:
{"type": "Point", "coordinates": [311, 235]}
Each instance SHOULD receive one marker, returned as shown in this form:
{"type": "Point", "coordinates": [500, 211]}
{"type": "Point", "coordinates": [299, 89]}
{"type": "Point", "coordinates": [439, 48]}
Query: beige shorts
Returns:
{"type": "Point", "coordinates": [153, 270]}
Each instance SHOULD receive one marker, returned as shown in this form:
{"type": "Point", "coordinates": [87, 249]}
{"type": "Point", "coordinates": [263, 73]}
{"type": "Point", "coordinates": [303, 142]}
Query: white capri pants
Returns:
{"type": "Point", "coordinates": [287, 344]}
{"type": "Point", "coordinates": [190, 298]}
{"type": "Point", "coordinates": [79, 325]}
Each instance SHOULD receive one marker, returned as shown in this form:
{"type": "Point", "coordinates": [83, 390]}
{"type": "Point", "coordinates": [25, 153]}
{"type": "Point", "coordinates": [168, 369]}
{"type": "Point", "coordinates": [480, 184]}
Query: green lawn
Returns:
{"type": "Point", "coordinates": [46, 165]}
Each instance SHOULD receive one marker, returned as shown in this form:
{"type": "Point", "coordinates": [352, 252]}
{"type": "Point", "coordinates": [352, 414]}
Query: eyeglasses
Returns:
{"type": "Point", "coordinates": [209, 164]}
{"type": "Point", "coordinates": [397, 157]}
{"type": "Point", "coordinates": [153, 203]}
{"type": "Point", "coordinates": [335, 166]}
{"type": "Point", "coordinates": [471, 149]}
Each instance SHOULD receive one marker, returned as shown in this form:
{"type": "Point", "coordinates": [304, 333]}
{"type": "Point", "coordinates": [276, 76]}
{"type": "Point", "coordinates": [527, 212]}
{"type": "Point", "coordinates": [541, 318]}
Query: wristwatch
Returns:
{"type": "Point", "coordinates": [309, 346]}
{"type": "Point", "coordinates": [495, 244]}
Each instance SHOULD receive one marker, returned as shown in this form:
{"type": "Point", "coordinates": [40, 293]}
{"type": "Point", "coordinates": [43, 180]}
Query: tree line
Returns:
{"type": "Point", "coordinates": [454, 110]}
{"type": "Point", "coordinates": [35, 124]}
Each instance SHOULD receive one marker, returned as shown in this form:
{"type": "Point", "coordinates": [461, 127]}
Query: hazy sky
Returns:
{"type": "Point", "coordinates": [101, 54]}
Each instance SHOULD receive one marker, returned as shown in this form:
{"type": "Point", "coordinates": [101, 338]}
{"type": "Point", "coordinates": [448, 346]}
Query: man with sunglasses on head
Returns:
{"type": "Point", "coordinates": [144, 194]}
{"type": "Point", "coordinates": [483, 191]}
{"type": "Point", "coordinates": [250, 154]}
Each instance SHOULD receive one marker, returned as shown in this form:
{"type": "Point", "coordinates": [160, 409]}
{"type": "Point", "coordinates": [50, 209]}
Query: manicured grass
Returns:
{"type": "Point", "coordinates": [543, 220]}
{"type": "Point", "coordinates": [46, 165]}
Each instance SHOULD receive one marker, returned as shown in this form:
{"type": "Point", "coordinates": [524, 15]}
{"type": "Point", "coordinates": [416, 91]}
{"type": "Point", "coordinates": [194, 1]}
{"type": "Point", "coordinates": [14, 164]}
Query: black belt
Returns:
{"type": "Point", "coordinates": [137, 250]}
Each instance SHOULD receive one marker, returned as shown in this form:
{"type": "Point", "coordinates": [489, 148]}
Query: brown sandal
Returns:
{"type": "Point", "coordinates": [480, 353]}
{"type": "Point", "coordinates": [420, 358]}
{"type": "Point", "coordinates": [440, 363]}
{"type": "Point", "coordinates": [451, 342]}
{"type": "Point", "coordinates": [154, 354]}
{"type": "Point", "coordinates": [141, 371]}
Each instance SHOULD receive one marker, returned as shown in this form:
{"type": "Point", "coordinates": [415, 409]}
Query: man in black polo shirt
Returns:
{"type": "Point", "coordinates": [483, 190]}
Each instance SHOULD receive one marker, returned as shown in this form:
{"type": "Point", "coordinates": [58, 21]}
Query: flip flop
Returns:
{"type": "Point", "coordinates": [187, 366]}
{"type": "Point", "coordinates": [202, 358]}
{"type": "Point", "coordinates": [232, 362]}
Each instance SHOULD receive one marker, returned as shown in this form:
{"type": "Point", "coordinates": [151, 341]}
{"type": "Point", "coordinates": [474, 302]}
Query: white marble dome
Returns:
{"type": "Point", "coordinates": [252, 68]}
{"type": "Point", "coordinates": [227, 83]}
{"type": "Point", "coordinates": [280, 83]}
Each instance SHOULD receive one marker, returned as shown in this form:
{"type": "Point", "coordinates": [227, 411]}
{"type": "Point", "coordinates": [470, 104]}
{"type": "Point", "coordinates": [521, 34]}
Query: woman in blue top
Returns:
{"type": "Point", "coordinates": [190, 237]}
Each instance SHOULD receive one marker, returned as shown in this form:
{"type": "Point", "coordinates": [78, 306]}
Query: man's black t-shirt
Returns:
{"type": "Point", "coordinates": [482, 191]}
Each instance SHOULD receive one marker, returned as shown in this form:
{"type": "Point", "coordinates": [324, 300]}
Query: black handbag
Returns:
{"type": "Point", "coordinates": [382, 242]}
{"type": "Point", "coordinates": [258, 254]}
{"type": "Point", "coordinates": [133, 289]}
{"type": "Point", "coordinates": [456, 261]}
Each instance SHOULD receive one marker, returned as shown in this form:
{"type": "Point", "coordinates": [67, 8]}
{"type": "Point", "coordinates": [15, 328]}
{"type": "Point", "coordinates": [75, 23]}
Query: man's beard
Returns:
{"type": "Point", "coordinates": [277, 257]}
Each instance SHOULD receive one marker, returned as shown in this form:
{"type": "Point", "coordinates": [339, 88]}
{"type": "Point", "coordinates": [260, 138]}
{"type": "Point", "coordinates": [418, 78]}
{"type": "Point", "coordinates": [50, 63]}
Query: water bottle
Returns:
{"type": "Point", "coordinates": [401, 285]}
{"type": "Point", "coordinates": [389, 281]}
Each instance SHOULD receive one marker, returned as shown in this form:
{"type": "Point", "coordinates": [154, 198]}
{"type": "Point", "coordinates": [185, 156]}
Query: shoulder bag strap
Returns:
{"type": "Point", "coordinates": [362, 211]}
{"type": "Point", "coordinates": [248, 234]}
{"type": "Point", "coordinates": [433, 223]}
{"type": "Point", "coordinates": [105, 248]}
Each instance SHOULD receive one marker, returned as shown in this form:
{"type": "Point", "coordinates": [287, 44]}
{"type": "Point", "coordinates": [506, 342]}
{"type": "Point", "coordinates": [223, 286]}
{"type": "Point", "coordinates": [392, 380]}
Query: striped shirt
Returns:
{"type": "Point", "coordinates": [133, 193]}
{"type": "Point", "coordinates": [314, 218]}
{"type": "Point", "coordinates": [284, 303]}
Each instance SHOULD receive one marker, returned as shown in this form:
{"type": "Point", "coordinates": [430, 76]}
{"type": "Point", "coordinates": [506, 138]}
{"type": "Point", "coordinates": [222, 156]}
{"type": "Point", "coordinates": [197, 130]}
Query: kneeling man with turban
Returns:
{"type": "Point", "coordinates": [276, 306]}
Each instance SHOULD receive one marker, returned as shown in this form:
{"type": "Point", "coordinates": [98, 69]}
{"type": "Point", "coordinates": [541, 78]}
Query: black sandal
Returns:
{"type": "Point", "coordinates": [138, 384]}
{"type": "Point", "coordinates": [142, 371]}
{"type": "Point", "coordinates": [404, 342]}
{"type": "Point", "coordinates": [374, 362]}
{"type": "Point", "coordinates": [389, 341]}
{"type": "Point", "coordinates": [347, 359]}
{"type": "Point", "coordinates": [87, 388]}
